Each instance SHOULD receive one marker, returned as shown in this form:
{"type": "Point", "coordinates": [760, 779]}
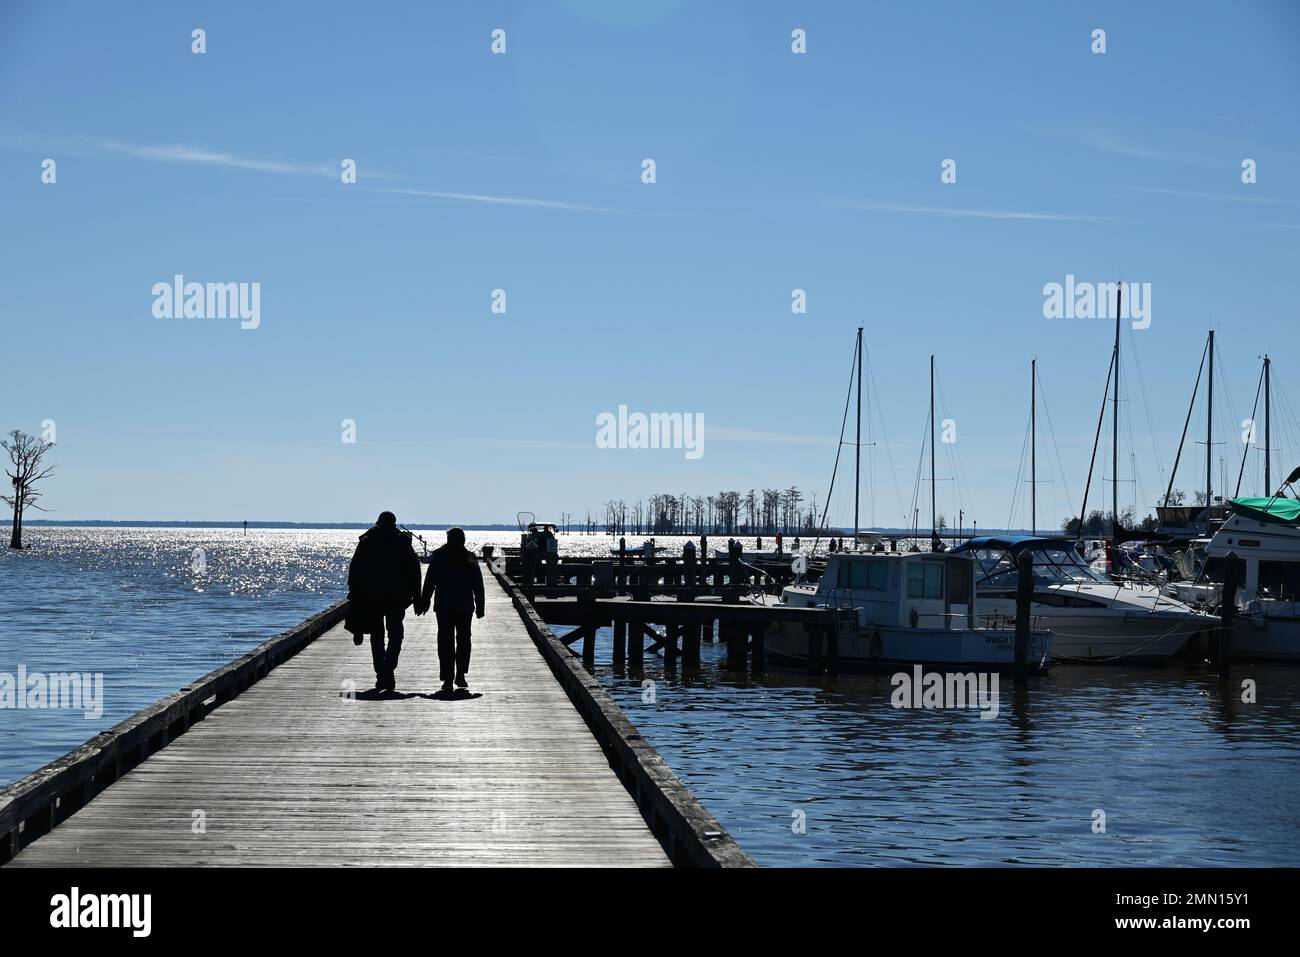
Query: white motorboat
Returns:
{"type": "Point", "coordinates": [1091, 617]}
{"type": "Point", "coordinates": [1263, 533]}
{"type": "Point", "coordinates": [915, 608]}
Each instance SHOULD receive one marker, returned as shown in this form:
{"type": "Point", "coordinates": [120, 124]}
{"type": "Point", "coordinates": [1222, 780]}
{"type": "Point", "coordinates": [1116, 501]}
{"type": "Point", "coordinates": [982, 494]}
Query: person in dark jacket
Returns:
{"type": "Point", "coordinates": [383, 580]}
{"type": "Point", "coordinates": [454, 582]}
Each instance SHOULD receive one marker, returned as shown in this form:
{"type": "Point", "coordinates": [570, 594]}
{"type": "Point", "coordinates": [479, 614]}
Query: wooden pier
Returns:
{"type": "Point", "coordinates": [286, 757]}
{"type": "Point", "coordinates": [695, 602]}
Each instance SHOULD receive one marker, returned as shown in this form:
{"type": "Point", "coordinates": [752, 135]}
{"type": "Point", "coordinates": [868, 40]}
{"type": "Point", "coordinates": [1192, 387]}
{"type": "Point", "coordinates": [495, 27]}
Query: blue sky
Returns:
{"type": "Point", "coordinates": [522, 171]}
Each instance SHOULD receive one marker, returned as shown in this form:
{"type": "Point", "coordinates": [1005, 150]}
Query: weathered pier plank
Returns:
{"type": "Point", "coordinates": [292, 771]}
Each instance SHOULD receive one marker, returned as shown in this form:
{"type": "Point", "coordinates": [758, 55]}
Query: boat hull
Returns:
{"type": "Point", "coordinates": [887, 648]}
{"type": "Point", "coordinates": [1098, 635]}
{"type": "Point", "coordinates": [1258, 637]}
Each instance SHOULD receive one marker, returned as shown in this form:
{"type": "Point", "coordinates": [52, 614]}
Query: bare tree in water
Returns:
{"type": "Point", "coordinates": [25, 455]}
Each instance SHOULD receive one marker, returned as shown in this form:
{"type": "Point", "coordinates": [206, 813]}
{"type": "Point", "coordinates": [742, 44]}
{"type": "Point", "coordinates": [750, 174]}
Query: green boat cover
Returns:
{"type": "Point", "coordinates": [1279, 511]}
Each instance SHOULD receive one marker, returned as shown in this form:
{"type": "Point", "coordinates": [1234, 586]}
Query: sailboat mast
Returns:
{"type": "Point", "coordinates": [857, 462]}
{"type": "Point", "coordinates": [1268, 446]}
{"type": "Point", "coordinates": [1114, 437]}
{"type": "Point", "coordinates": [1209, 430]}
{"type": "Point", "coordinates": [1033, 444]}
{"type": "Point", "coordinates": [933, 519]}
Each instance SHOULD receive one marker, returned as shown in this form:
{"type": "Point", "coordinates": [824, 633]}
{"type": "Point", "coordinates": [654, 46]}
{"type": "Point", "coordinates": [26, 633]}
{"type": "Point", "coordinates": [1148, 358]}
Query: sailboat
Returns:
{"type": "Point", "coordinates": [1092, 618]}
{"type": "Point", "coordinates": [914, 608]}
{"type": "Point", "coordinates": [1263, 534]}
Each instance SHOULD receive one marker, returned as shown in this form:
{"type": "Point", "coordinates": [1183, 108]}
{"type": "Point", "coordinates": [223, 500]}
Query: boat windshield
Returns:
{"type": "Point", "coordinates": [1054, 564]}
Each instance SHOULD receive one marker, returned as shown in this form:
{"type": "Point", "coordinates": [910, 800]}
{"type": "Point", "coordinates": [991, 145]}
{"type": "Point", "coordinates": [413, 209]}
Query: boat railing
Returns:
{"type": "Point", "coordinates": [996, 621]}
{"type": "Point", "coordinates": [757, 590]}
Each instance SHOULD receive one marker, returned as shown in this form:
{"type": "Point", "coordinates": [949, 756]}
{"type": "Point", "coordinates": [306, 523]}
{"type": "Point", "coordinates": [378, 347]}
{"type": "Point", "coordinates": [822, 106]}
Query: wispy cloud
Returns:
{"type": "Point", "coordinates": [1105, 141]}
{"type": "Point", "coordinates": [503, 200]}
{"type": "Point", "coordinates": [178, 153]}
{"type": "Point", "coordinates": [168, 153]}
{"type": "Point", "coordinates": [957, 212]}
{"type": "Point", "coordinates": [1244, 197]}
{"type": "Point", "coordinates": [198, 155]}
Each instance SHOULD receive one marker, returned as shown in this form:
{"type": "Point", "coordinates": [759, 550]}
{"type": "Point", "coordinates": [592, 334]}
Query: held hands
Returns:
{"type": "Point", "coordinates": [479, 613]}
{"type": "Point", "coordinates": [421, 606]}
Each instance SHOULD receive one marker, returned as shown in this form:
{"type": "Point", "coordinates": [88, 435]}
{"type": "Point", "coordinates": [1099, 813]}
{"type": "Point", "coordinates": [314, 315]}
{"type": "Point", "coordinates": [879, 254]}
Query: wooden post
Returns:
{"type": "Point", "coordinates": [635, 645]}
{"type": "Point", "coordinates": [1227, 611]}
{"type": "Point", "coordinates": [670, 645]}
{"type": "Point", "coordinates": [589, 644]}
{"type": "Point", "coordinates": [1024, 599]}
{"type": "Point", "coordinates": [735, 636]}
{"type": "Point", "coordinates": [814, 636]}
{"type": "Point", "coordinates": [620, 642]}
{"type": "Point", "coordinates": [690, 637]}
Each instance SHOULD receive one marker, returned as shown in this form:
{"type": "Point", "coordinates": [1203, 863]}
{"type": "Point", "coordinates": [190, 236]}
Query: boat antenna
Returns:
{"type": "Point", "coordinates": [1033, 444]}
{"type": "Point", "coordinates": [1114, 441]}
{"type": "Point", "coordinates": [1209, 434]}
{"type": "Point", "coordinates": [857, 462]}
{"type": "Point", "coordinates": [1268, 410]}
{"type": "Point", "coordinates": [934, 527]}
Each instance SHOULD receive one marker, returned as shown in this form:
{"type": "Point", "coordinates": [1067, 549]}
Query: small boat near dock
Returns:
{"type": "Point", "coordinates": [910, 608]}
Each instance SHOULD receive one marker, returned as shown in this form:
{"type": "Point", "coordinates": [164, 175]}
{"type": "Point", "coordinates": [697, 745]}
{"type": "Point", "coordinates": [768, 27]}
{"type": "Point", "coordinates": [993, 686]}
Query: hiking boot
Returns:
{"type": "Point", "coordinates": [461, 682]}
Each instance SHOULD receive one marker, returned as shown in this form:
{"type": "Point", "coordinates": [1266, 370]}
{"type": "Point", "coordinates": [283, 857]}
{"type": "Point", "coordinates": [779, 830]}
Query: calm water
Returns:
{"type": "Point", "coordinates": [1185, 772]}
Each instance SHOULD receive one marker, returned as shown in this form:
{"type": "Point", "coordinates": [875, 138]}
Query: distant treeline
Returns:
{"type": "Point", "coordinates": [755, 512]}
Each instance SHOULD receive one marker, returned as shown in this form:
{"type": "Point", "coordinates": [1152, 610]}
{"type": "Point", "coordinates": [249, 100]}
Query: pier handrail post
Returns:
{"type": "Point", "coordinates": [1024, 596]}
{"type": "Point", "coordinates": [1227, 611]}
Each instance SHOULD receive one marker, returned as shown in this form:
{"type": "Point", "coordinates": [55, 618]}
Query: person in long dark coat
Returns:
{"type": "Point", "coordinates": [383, 581]}
{"type": "Point", "coordinates": [454, 583]}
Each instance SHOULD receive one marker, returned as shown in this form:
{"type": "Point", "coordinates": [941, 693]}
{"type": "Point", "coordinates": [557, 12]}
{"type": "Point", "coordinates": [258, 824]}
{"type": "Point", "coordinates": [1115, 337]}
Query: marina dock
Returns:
{"type": "Point", "coordinates": [285, 757]}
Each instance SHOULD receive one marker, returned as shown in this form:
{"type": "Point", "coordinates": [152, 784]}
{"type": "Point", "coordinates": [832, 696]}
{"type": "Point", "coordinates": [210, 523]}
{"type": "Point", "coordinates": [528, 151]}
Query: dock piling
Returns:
{"type": "Point", "coordinates": [1024, 596]}
{"type": "Point", "coordinates": [1227, 612]}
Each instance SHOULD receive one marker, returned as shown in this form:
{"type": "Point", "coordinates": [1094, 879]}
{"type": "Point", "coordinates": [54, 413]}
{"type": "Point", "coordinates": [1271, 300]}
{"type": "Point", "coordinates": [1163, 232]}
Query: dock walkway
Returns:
{"type": "Point", "coordinates": [294, 772]}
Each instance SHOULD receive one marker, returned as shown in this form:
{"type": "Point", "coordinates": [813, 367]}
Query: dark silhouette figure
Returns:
{"type": "Point", "coordinates": [454, 583]}
{"type": "Point", "coordinates": [383, 579]}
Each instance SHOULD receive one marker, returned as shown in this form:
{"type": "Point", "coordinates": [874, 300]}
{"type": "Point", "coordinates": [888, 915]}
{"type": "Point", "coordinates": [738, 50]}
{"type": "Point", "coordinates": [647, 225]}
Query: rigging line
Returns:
{"type": "Point", "coordinates": [1289, 420]}
{"type": "Point", "coordinates": [1146, 402]}
{"type": "Point", "coordinates": [1232, 409]}
{"type": "Point", "coordinates": [959, 473]}
{"type": "Point", "coordinates": [1020, 471]}
{"type": "Point", "coordinates": [1060, 465]}
{"type": "Point", "coordinates": [1127, 421]}
{"type": "Point", "coordinates": [838, 449]}
{"type": "Point", "coordinates": [1139, 487]}
{"type": "Point", "coordinates": [1191, 406]}
{"type": "Point", "coordinates": [920, 465]}
{"type": "Point", "coordinates": [1246, 445]}
{"type": "Point", "coordinates": [884, 432]}
{"type": "Point", "coordinates": [1083, 507]}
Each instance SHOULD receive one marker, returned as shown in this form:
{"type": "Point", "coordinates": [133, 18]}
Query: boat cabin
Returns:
{"type": "Point", "coordinates": [1056, 561]}
{"type": "Point", "coordinates": [905, 589]}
